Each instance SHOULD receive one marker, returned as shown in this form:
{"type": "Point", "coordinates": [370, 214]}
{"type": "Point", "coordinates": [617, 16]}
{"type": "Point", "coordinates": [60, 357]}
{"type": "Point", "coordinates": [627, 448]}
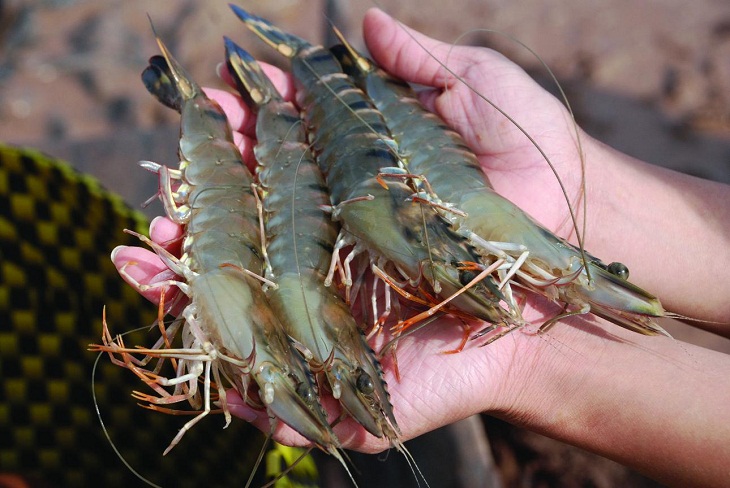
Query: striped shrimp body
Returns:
{"type": "Point", "coordinates": [300, 237]}
{"type": "Point", "coordinates": [354, 148]}
{"type": "Point", "coordinates": [498, 229]}
{"type": "Point", "coordinates": [229, 330]}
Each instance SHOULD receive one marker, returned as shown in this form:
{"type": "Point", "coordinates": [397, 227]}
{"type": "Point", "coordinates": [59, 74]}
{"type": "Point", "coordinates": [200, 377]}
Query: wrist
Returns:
{"type": "Point", "coordinates": [545, 370]}
{"type": "Point", "coordinates": [615, 393]}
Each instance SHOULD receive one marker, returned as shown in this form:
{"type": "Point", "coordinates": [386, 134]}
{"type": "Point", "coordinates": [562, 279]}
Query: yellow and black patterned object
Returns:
{"type": "Point", "coordinates": [57, 229]}
{"type": "Point", "coordinates": [299, 467]}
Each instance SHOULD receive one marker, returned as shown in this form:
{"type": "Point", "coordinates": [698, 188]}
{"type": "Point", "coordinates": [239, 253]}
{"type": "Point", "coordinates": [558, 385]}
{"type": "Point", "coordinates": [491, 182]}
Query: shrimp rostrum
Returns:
{"type": "Point", "coordinates": [300, 237]}
{"type": "Point", "coordinates": [498, 229]}
{"type": "Point", "coordinates": [229, 333]}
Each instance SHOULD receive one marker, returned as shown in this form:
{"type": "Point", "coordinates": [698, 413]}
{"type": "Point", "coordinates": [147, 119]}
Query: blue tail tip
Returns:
{"type": "Point", "coordinates": [232, 47]}
{"type": "Point", "coordinates": [241, 13]}
{"type": "Point", "coordinates": [229, 44]}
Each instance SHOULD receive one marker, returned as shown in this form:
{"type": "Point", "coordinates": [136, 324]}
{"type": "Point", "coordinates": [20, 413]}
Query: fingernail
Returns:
{"type": "Point", "coordinates": [154, 223]}
{"type": "Point", "coordinates": [219, 70]}
{"type": "Point", "coordinates": [115, 251]}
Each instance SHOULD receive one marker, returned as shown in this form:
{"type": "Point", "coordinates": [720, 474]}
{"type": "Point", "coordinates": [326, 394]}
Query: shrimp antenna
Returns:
{"type": "Point", "coordinates": [260, 457]}
{"type": "Point", "coordinates": [336, 454]}
{"type": "Point", "coordinates": [103, 425]}
{"type": "Point", "coordinates": [412, 464]}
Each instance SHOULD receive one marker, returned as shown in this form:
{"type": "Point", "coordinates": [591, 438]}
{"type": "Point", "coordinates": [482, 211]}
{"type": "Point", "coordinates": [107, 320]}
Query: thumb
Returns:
{"type": "Point", "coordinates": [408, 54]}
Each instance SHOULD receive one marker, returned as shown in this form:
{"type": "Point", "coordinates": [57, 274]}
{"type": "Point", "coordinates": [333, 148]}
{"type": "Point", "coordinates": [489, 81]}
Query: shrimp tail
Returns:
{"type": "Point", "coordinates": [287, 44]}
{"type": "Point", "coordinates": [352, 61]}
{"type": "Point", "coordinates": [167, 80]}
{"type": "Point", "coordinates": [253, 85]}
{"type": "Point", "coordinates": [158, 80]}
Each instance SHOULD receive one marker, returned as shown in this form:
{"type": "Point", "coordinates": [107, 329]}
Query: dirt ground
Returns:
{"type": "Point", "coordinates": [650, 78]}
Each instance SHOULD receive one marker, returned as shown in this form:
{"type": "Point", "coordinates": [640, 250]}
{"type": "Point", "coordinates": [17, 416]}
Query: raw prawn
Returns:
{"type": "Point", "coordinates": [300, 237]}
{"type": "Point", "coordinates": [498, 229]}
{"type": "Point", "coordinates": [229, 331]}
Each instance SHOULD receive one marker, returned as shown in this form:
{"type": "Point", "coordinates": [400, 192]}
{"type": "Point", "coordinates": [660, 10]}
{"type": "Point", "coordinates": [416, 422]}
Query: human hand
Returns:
{"type": "Point", "coordinates": [436, 388]}
{"type": "Point", "coordinates": [605, 390]}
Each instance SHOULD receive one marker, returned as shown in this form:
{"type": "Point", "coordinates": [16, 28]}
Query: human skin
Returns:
{"type": "Point", "coordinates": [648, 402]}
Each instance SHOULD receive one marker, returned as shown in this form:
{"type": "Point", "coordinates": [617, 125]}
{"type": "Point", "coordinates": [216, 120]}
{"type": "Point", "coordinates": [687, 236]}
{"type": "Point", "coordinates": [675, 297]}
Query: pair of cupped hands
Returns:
{"type": "Point", "coordinates": [435, 388]}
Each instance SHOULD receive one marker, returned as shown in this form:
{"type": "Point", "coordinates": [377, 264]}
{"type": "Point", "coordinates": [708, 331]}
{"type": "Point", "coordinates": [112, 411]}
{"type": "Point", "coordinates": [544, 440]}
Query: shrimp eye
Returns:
{"type": "Point", "coordinates": [619, 270]}
{"type": "Point", "coordinates": [465, 277]}
{"type": "Point", "coordinates": [365, 383]}
{"type": "Point", "coordinates": [305, 393]}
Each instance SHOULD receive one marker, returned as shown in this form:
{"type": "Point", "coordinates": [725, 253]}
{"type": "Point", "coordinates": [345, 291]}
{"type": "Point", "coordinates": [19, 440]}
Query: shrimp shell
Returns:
{"type": "Point", "coordinates": [300, 237]}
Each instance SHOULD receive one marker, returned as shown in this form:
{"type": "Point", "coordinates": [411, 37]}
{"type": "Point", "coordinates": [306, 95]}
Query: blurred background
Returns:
{"type": "Point", "coordinates": [650, 78]}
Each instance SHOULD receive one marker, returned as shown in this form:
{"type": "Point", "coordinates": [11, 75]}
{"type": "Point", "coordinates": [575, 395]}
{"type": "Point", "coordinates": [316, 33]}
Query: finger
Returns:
{"type": "Point", "coordinates": [167, 234]}
{"type": "Point", "coordinates": [409, 54]}
{"type": "Point", "coordinates": [478, 80]}
{"type": "Point", "coordinates": [242, 121]}
{"type": "Point", "coordinates": [144, 267]}
{"type": "Point", "coordinates": [240, 117]}
{"type": "Point", "coordinates": [429, 97]}
{"type": "Point", "coordinates": [283, 81]}
{"type": "Point", "coordinates": [246, 144]}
